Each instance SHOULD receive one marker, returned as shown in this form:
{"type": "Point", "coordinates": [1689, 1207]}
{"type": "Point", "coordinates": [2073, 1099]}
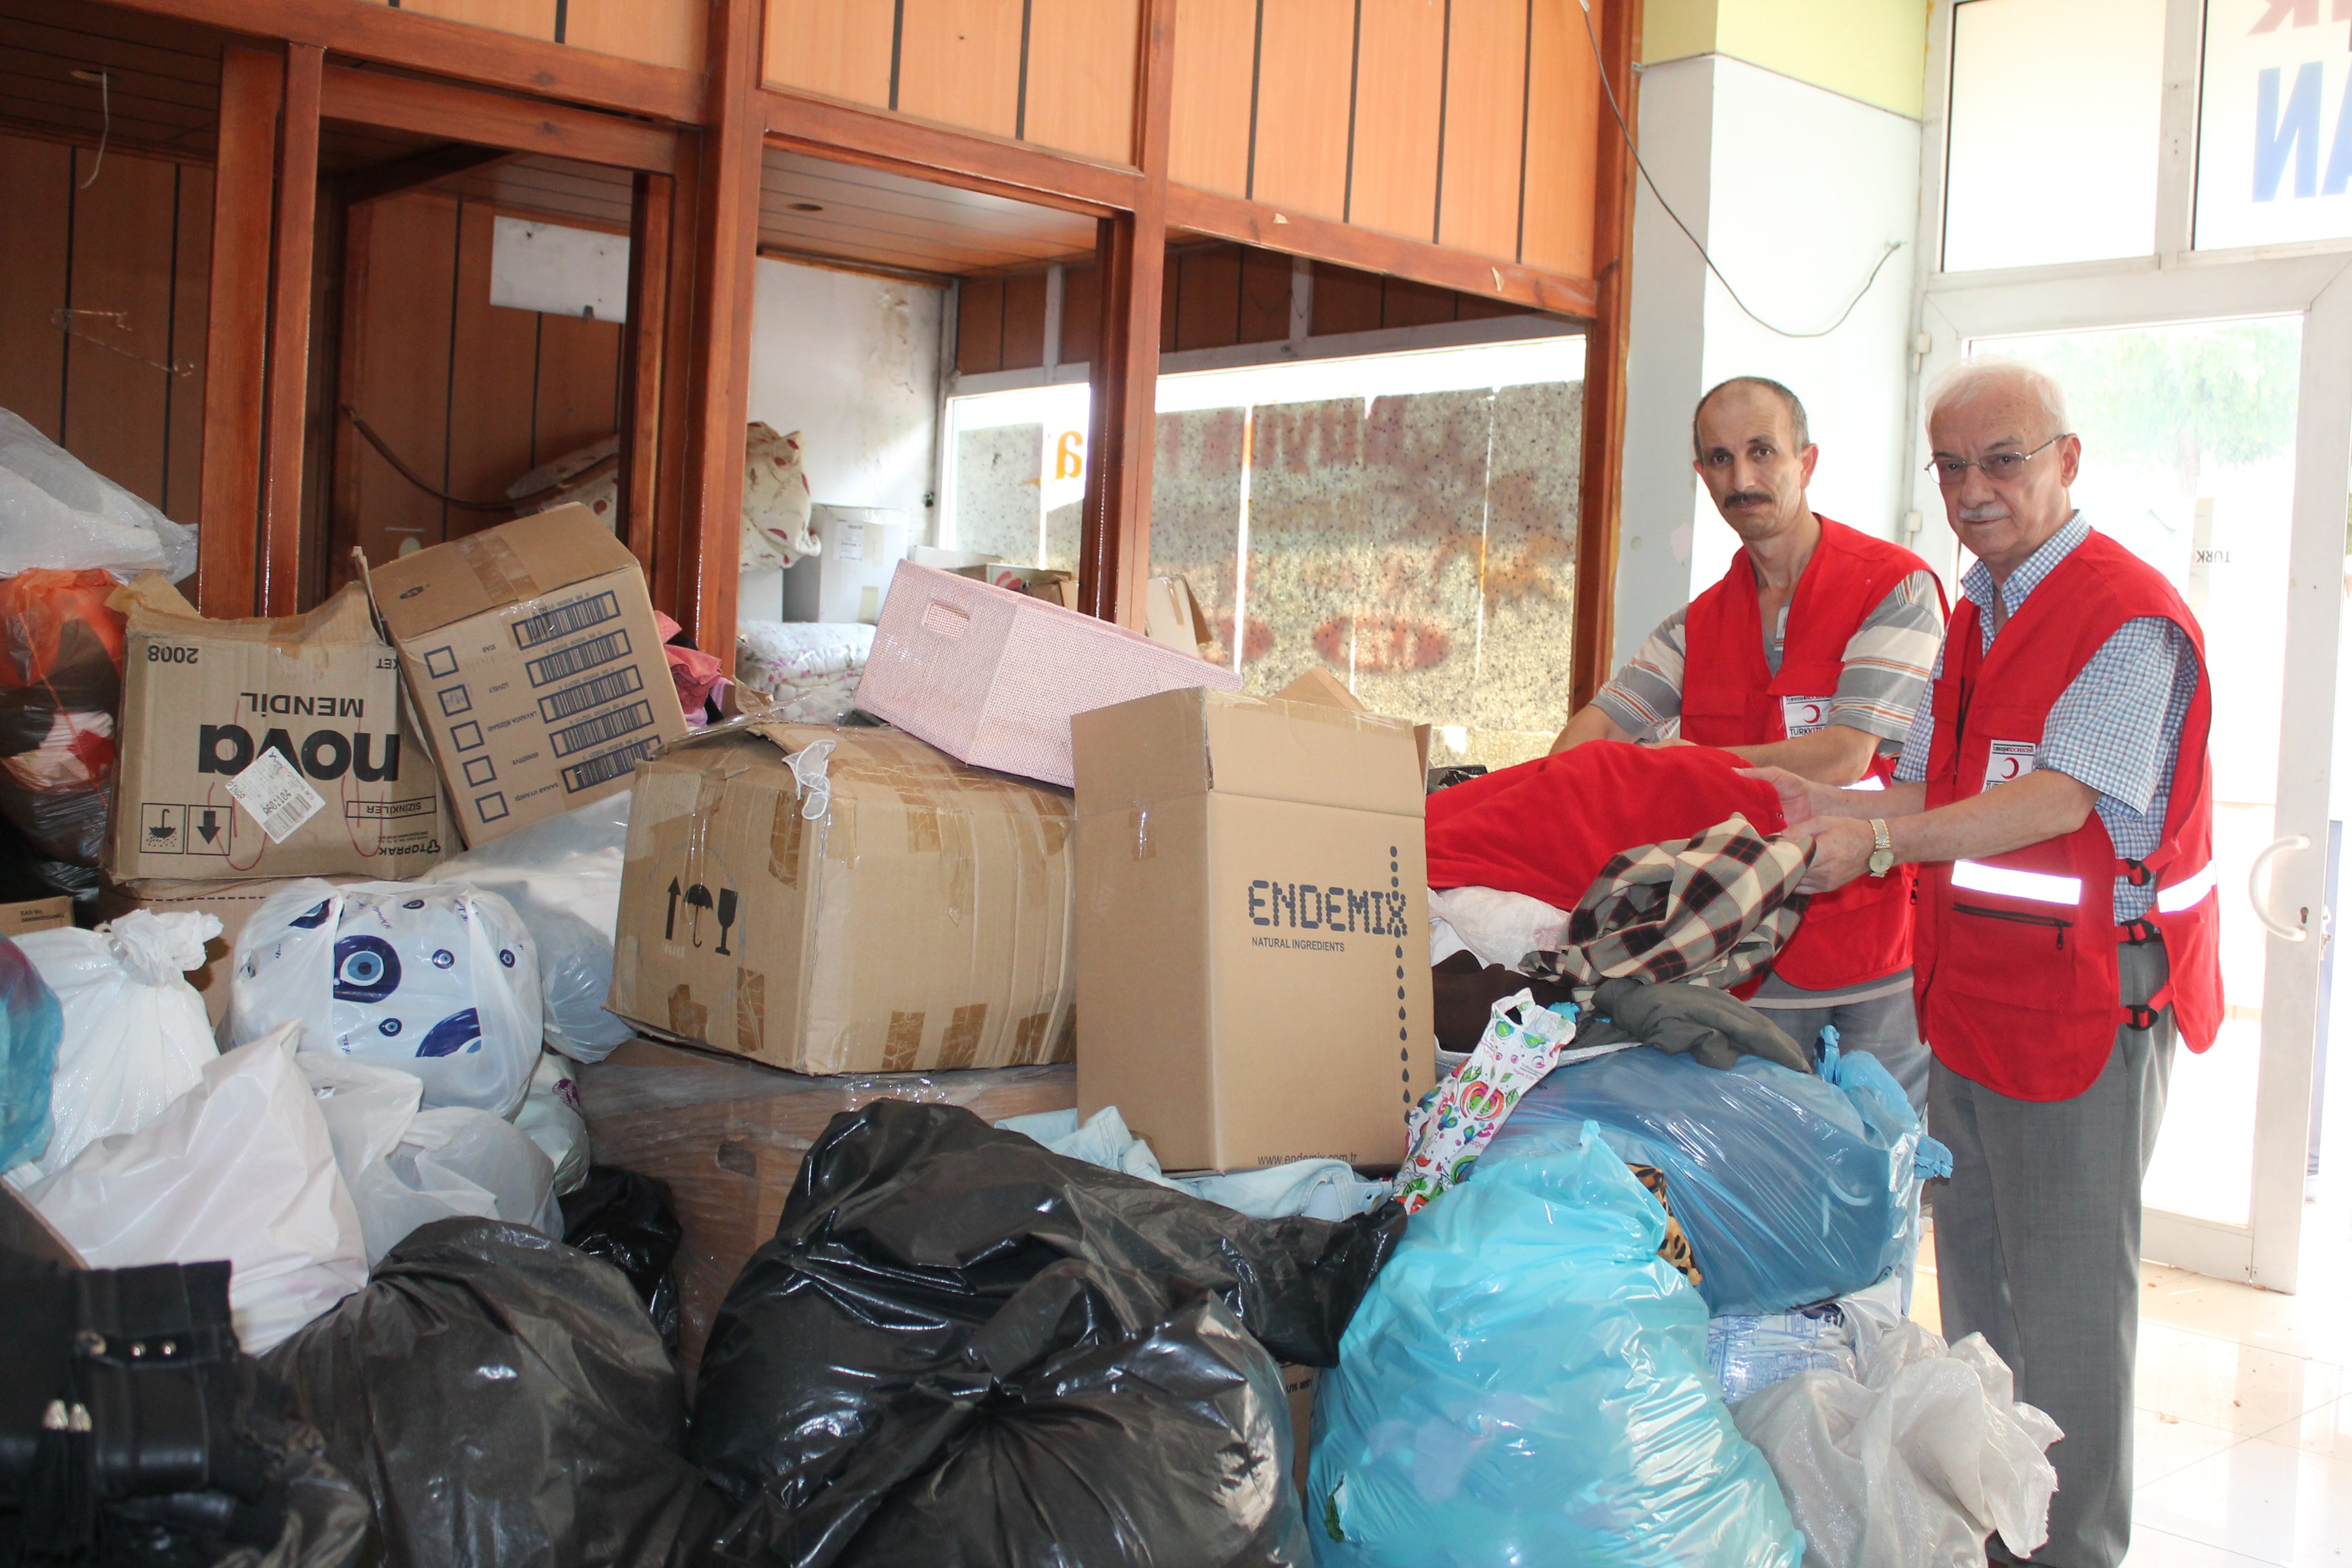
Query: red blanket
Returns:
{"type": "Point", "coordinates": [1546, 828]}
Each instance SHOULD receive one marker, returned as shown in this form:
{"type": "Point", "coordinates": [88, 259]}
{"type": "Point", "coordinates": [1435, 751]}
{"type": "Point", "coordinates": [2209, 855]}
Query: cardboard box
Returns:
{"type": "Point", "coordinates": [39, 914]}
{"type": "Point", "coordinates": [851, 577]}
{"type": "Point", "coordinates": [532, 660]}
{"type": "Point", "coordinates": [993, 678]}
{"type": "Point", "coordinates": [728, 1137]}
{"type": "Point", "coordinates": [1253, 941]}
{"type": "Point", "coordinates": [1173, 617]}
{"type": "Point", "coordinates": [204, 701]}
{"type": "Point", "coordinates": [1050, 584]}
{"type": "Point", "coordinates": [1319, 685]}
{"type": "Point", "coordinates": [921, 918]}
{"type": "Point", "coordinates": [230, 902]}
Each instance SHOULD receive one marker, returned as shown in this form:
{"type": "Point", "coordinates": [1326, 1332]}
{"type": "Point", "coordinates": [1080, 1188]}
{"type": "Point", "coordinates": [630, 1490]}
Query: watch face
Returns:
{"type": "Point", "coordinates": [1881, 862]}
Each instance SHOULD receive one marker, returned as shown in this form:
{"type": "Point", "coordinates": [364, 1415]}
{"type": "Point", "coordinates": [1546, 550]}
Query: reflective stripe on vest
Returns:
{"type": "Point", "coordinates": [2187, 893]}
{"type": "Point", "coordinates": [2034, 885]}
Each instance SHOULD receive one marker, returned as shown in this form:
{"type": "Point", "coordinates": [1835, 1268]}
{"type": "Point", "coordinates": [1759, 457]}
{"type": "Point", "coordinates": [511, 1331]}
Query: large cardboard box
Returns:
{"type": "Point", "coordinates": [1253, 943]}
{"type": "Point", "coordinates": [992, 677]}
{"type": "Point", "coordinates": [729, 1136]}
{"type": "Point", "coordinates": [533, 664]}
{"type": "Point", "coordinates": [205, 702]}
{"type": "Point", "coordinates": [879, 908]}
{"type": "Point", "coordinates": [35, 914]}
{"type": "Point", "coordinates": [850, 577]}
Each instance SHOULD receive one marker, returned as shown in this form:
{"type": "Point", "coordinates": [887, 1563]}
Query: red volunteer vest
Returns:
{"type": "Point", "coordinates": [2016, 979]}
{"type": "Point", "coordinates": [1731, 698]}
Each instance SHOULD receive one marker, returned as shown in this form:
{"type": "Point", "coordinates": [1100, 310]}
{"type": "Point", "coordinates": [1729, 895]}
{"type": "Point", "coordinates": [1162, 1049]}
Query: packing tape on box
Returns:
{"type": "Point", "coordinates": [1140, 819]}
{"type": "Point", "coordinates": [809, 765]}
{"type": "Point", "coordinates": [497, 567]}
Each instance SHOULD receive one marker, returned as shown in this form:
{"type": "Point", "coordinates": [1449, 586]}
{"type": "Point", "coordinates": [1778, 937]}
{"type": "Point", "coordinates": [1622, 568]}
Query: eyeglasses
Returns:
{"type": "Point", "coordinates": [1999, 467]}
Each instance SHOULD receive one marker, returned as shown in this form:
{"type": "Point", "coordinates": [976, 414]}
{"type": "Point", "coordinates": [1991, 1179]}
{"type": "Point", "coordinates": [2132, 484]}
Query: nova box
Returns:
{"type": "Point", "coordinates": [202, 700]}
{"type": "Point", "coordinates": [1253, 930]}
{"type": "Point", "coordinates": [532, 663]}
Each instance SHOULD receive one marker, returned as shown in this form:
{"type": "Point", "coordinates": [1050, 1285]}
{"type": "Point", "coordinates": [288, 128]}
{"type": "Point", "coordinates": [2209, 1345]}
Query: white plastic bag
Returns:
{"type": "Point", "coordinates": [1913, 1465]}
{"type": "Point", "coordinates": [550, 1118]}
{"type": "Point", "coordinates": [136, 1033]}
{"type": "Point", "coordinates": [239, 1167]}
{"type": "Point", "coordinates": [408, 1167]}
{"type": "Point", "coordinates": [434, 979]}
{"type": "Point", "coordinates": [562, 876]}
{"type": "Point", "coordinates": [56, 512]}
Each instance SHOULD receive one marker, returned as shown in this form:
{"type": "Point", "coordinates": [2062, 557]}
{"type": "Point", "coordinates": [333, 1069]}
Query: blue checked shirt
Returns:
{"type": "Point", "coordinates": [2116, 728]}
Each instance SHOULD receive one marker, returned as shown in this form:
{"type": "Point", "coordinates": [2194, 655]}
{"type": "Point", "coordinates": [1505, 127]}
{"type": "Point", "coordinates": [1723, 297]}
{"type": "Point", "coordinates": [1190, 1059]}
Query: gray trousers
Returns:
{"type": "Point", "coordinates": [1886, 1027]}
{"type": "Point", "coordinates": [2037, 1249]}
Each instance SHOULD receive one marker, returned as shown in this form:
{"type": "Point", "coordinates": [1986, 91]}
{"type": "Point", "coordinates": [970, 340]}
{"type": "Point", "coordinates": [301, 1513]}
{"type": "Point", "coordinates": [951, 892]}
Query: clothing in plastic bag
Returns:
{"type": "Point", "coordinates": [54, 512]}
{"type": "Point", "coordinates": [436, 979]}
{"type": "Point", "coordinates": [1912, 1465]}
{"type": "Point", "coordinates": [1713, 1028]}
{"type": "Point", "coordinates": [911, 1230]}
{"type": "Point", "coordinates": [408, 1167]}
{"type": "Point", "coordinates": [1319, 1189]}
{"type": "Point", "coordinates": [61, 686]}
{"type": "Point", "coordinates": [562, 876]}
{"type": "Point", "coordinates": [1751, 1352]}
{"type": "Point", "coordinates": [628, 1221]}
{"type": "Point", "coordinates": [1526, 1383]}
{"type": "Point", "coordinates": [1793, 1188]}
{"type": "Point", "coordinates": [240, 1167]}
{"type": "Point", "coordinates": [505, 1401]}
{"type": "Point", "coordinates": [550, 1117]}
{"type": "Point", "coordinates": [136, 1034]}
{"type": "Point", "coordinates": [30, 1027]}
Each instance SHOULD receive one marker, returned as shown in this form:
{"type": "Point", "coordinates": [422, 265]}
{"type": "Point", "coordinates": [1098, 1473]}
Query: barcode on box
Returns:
{"type": "Point", "coordinates": [604, 727]}
{"type": "Point", "coordinates": [611, 765]}
{"type": "Point", "coordinates": [564, 704]}
{"type": "Point", "coordinates": [565, 663]}
{"type": "Point", "coordinates": [565, 619]}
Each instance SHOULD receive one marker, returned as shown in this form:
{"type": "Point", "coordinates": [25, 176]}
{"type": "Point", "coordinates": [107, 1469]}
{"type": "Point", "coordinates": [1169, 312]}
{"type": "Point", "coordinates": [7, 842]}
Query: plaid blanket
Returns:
{"type": "Point", "coordinates": [1712, 910]}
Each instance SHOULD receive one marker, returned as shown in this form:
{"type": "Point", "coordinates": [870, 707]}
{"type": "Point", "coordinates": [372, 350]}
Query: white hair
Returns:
{"type": "Point", "coordinates": [1965, 380]}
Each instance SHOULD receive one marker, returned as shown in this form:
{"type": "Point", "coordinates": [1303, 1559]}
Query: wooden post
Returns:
{"type": "Point", "coordinates": [1115, 539]}
{"type": "Point", "coordinates": [1603, 484]}
{"type": "Point", "coordinates": [351, 368]}
{"type": "Point", "coordinates": [641, 363]}
{"type": "Point", "coordinates": [726, 244]}
{"type": "Point", "coordinates": [279, 584]}
{"type": "Point", "coordinates": [236, 331]}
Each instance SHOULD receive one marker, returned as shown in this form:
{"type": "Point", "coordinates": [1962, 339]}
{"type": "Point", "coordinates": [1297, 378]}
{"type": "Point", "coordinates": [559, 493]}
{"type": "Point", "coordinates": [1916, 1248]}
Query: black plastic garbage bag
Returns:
{"type": "Point", "coordinates": [628, 1220]}
{"type": "Point", "coordinates": [909, 1251]}
{"type": "Point", "coordinates": [506, 1403]}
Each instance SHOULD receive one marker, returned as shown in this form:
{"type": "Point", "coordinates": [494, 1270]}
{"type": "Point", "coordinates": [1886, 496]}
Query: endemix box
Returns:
{"type": "Point", "coordinates": [532, 663]}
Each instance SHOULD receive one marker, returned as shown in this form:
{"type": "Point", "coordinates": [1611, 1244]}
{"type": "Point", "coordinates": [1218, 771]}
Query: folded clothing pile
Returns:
{"type": "Point", "coordinates": [809, 667]}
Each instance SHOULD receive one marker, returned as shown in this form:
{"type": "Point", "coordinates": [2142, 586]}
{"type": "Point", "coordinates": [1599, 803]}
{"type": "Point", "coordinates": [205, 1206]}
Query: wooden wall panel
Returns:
{"type": "Point", "coordinates": [1400, 86]}
{"type": "Point", "coordinates": [1266, 297]}
{"type": "Point", "coordinates": [1025, 322]}
{"type": "Point", "coordinates": [531, 18]}
{"type": "Point", "coordinates": [1564, 114]}
{"type": "Point", "coordinates": [493, 392]}
{"type": "Point", "coordinates": [1485, 93]}
{"type": "Point", "coordinates": [659, 31]}
{"type": "Point", "coordinates": [1207, 287]}
{"type": "Point", "coordinates": [959, 63]}
{"type": "Point", "coordinates": [980, 326]}
{"type": "Point", "coordinates": [1345, 300]}
{"type": "Point", "coordinates": [35, 192]}
{"type": "Point", "coordinates": [192, 261]}
{"type": "Point", "coordinates": [400, 372]}
{"type": "Point", "coordinates": [1306, 71]}
{"type": "Point", "coordinates": [841, 48]}
{"type": "Point", "coordinates": [1081, 313]}
{"type": "Point", "coordinates": [578, 397]}
{"type": "Point", "coordinates": [1080, 92]}
{"type": "Point", "coordinates": [1209, 116]}
{"type": "Point", "coordinates": [115, 399]}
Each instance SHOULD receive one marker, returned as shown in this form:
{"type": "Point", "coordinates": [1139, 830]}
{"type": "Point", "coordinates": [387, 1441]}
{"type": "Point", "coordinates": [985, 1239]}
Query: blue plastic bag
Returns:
{"type": "Point", "coordinates": [31, 1023]}
{"type": "Point", "coordinates": [1526, 1383]}
{"type": "Point", "coordinates": [1791, 1188]}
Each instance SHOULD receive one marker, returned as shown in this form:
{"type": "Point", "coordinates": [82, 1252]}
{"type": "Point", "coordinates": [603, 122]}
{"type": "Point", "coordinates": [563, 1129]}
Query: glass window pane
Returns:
{"type": "Point", "coordinates": [2274, 141]}
{"type": "Point", "coordinates": [2188, 462]}
{"type": "Point", "coordinates": [2047, 161]}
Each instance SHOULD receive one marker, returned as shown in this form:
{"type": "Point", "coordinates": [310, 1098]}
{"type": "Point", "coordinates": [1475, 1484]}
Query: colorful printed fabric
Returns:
{"type": "Point", "coordinates": [1676, 1247]}
{"type": "Point", "coordinates": [1711, 910]}
{"type": "Point", "coordinates": [1450, 1130]}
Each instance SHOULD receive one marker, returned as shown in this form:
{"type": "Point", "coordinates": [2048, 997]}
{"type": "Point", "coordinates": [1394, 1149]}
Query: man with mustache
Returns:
{"type": "Point", "coordinates": [2056, 797]}
{"type": "Point", "coordinates": [1810, 654]}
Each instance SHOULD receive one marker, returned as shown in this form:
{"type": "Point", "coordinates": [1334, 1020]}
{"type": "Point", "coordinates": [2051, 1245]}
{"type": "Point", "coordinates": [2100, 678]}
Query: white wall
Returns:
{"type": "Point", "coordinates": [852, 362]}
{"type": "Point", "coordinates": [1796, 191]}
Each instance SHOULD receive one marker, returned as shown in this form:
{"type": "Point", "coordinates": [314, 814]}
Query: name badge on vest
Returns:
{"type": "Point", "coordinates": [1803, 715]}
{"type": "Point", "coordinates": [2008, 759]}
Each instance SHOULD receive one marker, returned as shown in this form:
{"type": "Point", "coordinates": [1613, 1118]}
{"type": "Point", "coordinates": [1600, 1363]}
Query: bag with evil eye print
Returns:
{"type": "Point", "coordinates": [434, 979]}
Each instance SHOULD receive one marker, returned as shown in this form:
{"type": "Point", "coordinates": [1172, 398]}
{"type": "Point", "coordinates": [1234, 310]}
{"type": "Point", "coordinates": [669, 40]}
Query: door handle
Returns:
{"type": "Point", "coordinates": [2258, 894]}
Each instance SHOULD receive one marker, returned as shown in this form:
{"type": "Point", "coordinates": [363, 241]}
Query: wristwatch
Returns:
{"type": "Point", "coordinates": [1882, 856]}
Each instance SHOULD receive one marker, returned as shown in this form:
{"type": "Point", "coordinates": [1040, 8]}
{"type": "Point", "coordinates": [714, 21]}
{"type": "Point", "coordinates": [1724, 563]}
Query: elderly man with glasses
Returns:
{"type": "Point", "coordinates": [2055, 795]}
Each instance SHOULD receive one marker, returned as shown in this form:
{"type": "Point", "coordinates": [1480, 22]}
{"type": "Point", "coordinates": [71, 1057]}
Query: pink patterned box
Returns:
{"type": "Point", "coordinates": [991, 677]}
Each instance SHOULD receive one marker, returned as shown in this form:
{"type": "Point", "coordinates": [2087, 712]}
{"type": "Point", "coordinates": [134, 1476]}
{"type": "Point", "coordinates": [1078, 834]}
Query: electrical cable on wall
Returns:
{"type": "Point", "coordinates": [105, 123]}
{"type": "Point", "coordinates": [1626, 131]}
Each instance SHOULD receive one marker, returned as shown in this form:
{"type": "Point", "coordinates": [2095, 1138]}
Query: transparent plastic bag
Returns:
{"type": "Point", "coordinates": [61, 686]}
{"type": "Point", "coordinates": [1526, 1383]}
{"type": "Point", "coordinates": [57, 511]}
{"type": "Point", "coordinates": [1751, 1352]}
{"type": "Point", "coordinates": [436, 979]}
{"type": "Point", "coordinates": [136, 1035]}
{"type": "Point", "coordinates": [30, 1026]}
{"type": "Point", "coordinates": [563, 874]}
{"type": "Point", "coordinates": [1791, 1188]}
{"type": "Point", "coordinates": [550, 1117]}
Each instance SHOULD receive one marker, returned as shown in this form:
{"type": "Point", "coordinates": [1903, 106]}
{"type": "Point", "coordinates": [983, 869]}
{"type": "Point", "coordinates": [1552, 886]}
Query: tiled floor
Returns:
{"type": "Point", "coordinates": [2245, 1414]}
